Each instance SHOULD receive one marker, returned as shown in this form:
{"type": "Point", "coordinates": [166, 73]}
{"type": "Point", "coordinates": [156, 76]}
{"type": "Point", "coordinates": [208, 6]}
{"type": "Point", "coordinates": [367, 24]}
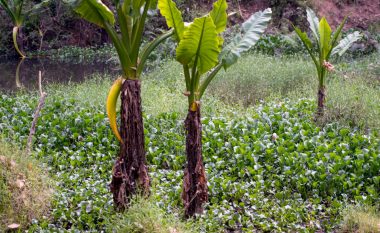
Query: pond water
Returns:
{"type": "Point", "coordinates": [23, 74]}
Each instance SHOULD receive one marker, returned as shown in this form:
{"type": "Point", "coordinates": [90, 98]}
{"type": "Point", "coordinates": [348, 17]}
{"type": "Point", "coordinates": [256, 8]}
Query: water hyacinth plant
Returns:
{"type": "Point", "coordinates": [130, 172]}
{"type": "Point", "coordinates": [201, 53]}
{"type": "Point", "coordinates": [328, 45]}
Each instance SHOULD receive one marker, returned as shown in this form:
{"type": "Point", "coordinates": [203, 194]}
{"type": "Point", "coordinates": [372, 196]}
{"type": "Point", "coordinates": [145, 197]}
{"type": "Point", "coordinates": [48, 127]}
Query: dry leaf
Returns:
{"type": "Point", "coordinates": [173, 230]}
{"type": "Point", "coordinates": [12, 163]}
{"type": "Point", "coordinates": [14, 226]}
{"type": "Point", "coordinates": [30, 166]}
{"type": "Point", "coordinates": [20, 184]}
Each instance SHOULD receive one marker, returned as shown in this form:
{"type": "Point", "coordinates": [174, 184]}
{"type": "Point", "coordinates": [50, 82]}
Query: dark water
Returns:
{"type": "Point", "coordinates": [23, 74]}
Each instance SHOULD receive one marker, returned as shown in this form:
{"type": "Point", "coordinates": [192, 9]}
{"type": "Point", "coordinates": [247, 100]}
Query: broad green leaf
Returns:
{"type": "Point", "coordinates": [95, 12]}
{"type": "Point", "coordinates": [336, 35]}
{"type": "Point", "coordinates": [306, 42]}
{"type": "Point", "coordinates": [199, 43]}
{"type": "Point", "coordinates": [173, 17]}
{"type": "Point", "coordinates": [126, 7]}
{"type": "Point", "coordinates": [346, 43]}
{"type": "Point", "coordinates": [136, 7]}
{"type": "Point", "coordinates": [149, 47]}
{"type": "Point", "coordinates": [220, 42]}
{"type": "Point", "coordinates": [304, 38]}
{"type": "Point", "coordinates": [325, 37]}
{"type": "Point", "coordinates": [153, 4]}
{"type": "Point", "coordinates": [219, 15]}
{"type": "Point", "coordinates": [7, 8]}
{"type": "Point", "coordinates": [314, 22]}
{"type": "Point", "coordinates": [38, 8]}
{"type": "Point", "coordinates": [252, 29]}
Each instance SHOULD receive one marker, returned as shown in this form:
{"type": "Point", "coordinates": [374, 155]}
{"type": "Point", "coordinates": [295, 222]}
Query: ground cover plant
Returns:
{"type": "Point", "coordinates": [270, 167]}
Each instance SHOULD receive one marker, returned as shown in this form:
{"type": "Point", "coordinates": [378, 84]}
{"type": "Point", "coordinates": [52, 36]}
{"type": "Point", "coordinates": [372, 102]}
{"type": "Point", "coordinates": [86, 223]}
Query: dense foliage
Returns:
{"type": "Point", "coordinates": [271, 170]}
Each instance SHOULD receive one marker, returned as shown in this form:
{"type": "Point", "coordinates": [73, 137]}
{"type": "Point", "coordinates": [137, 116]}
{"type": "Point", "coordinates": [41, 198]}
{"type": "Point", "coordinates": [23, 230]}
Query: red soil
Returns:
{"type": "Point", "coordinates": [360, 14]}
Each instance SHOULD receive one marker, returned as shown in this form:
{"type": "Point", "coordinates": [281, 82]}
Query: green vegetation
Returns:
{"type": "Point", "coordinates": [16, 12]}
{"type": "Point", "coordinates": [143, 216]}
{"type": "Point", "coordinates": [272, 164]}
{"type": "Point", "coordinates": [130, 171]}
{"type": "Point", "coordinates": [25, 190]}
{"type": "Point", "coordinates": [328, 45]}
{"type": "Point", "coordinates": [200, 52]}
{"type": "Point", "coordinates": [353, 96]}
{"type": "Point", "coordinates": [269, 165]}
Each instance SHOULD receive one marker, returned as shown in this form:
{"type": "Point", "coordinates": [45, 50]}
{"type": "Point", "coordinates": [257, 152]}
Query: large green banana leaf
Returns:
{"type": "Point", "coordinates": [252, 30]}
{"type": "Point", "coordinates": [346, 43]}
{"type": "Point", "coordinates": [95, 12]}
{"type": "Point", "coordinates": [314, 22]}
{"type": "Point", "coordinates": [219, 15]}
{"type": "Point", "coordinates": [14, 10]}
{"type": "Point", "coordinates": [325, 38]}
{"type": "Point", "coordinates": [307, 43]}
{"type": "Point", "coordinates": [173, 17]}
{"type": "Point", "coordinates": [4, 4]}
{"type": "Point", "coordinates": [199, 44]}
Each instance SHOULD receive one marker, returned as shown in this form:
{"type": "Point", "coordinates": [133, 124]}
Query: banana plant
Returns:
{"type": "Point", "coordinates": [200, 51]}
{"type": "Point", "coordinates": [328, 44]}
{"type": "Point", "coordinates": [15, 10]}
{"type": "Point", "coordinates": [129, 173]}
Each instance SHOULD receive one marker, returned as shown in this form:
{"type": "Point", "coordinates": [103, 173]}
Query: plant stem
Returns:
{"type": "Point", "coordinates": [130, 173]}
{"type": "Point", "coordinates": [195, 192]}
{"type": "Point", "coordinates": [14, 35]}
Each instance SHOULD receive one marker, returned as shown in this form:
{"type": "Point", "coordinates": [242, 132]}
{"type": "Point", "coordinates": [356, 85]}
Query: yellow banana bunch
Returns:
{"type": "Point", "coordinates": [111, 106]}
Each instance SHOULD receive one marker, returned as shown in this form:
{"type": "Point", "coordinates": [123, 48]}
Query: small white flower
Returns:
{"type": "Point", "coordinates": [274, 137]}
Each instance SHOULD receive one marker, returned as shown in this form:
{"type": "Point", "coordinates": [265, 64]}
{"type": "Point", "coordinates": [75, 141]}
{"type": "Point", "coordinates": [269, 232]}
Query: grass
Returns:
{"type": "Point", "coordinates": [162, 91]}
{"type": "Point", "coordinates": [144, 216]}
{"type": "Point", "coordinates": [25, 190]}
{"type": "Point", "coordinates": [353, 96]}
{"type": "Point", "coordinates": [360, 219]}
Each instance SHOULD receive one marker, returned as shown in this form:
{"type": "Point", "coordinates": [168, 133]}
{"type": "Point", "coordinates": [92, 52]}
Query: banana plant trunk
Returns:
{"type": "Point", "coordinates": [130, 173]}
{"type": "Point", "coordinates": [195, 192]}
{"type": "Point", "coordinates": [321, 100]}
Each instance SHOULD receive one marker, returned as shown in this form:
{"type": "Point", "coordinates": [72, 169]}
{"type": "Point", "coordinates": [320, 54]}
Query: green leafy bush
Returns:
{"type": "Point", "coordinates": [269, 169]}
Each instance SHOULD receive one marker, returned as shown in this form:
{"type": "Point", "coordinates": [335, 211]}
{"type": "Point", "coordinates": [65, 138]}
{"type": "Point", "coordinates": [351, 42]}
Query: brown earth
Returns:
{"type": "Point", "coordinates": [361, 13]}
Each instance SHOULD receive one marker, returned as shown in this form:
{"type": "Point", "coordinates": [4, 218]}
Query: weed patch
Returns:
{"type": "Point", "coordinates": [25, 190]}
{"type": "Point", "coordinates": [270, 169]}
